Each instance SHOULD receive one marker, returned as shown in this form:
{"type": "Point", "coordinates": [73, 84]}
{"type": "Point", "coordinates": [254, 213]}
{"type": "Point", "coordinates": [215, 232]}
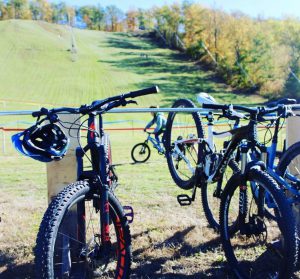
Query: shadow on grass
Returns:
{"type": "Point", "coordinates": [149, 268]}
{"type": "Point", "coordinates": [12, 270]}
{"type": "Point", "coordinates": [172, 71]}
{"type": "Point", "coordinates": [152, 267]}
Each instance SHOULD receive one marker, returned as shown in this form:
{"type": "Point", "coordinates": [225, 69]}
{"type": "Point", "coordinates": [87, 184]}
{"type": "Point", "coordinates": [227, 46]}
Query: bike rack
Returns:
{"type": "Point", "coordinates": [57, 179]}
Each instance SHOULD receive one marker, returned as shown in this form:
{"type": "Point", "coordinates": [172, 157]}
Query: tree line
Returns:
{"type": "Point", "coordinates": [95, 17]}
{"type": "Point", "coordinates": [252, 54]}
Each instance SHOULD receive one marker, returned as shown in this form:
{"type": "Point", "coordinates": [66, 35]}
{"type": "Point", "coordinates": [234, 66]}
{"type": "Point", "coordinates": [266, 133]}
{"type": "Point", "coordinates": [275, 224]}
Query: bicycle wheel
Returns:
{"type": "Point", "coordinates": [261, 248]}
{"type": "Point", "coordinates": [113, 177]}
{"type": "Point", "coordinates": [211, 202]}
{"type": "Point", "coordinates": [140, 153]}
{"type": "Point", "coordinates": [289, 165]}
{"type": "Point", "coordinates": [182, 125]}
{"type": "Point", "coordinates": [68, 242]}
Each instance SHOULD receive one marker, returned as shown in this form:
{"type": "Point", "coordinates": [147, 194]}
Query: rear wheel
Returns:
{"type": "Point", "coordinates": [289, 165]}
{"type": "Point", "coordinates": [140, 153]}
{"type": "Point", "coordinates": [69, 239]}
{"type": "Point", "coordinates": [182, 162]}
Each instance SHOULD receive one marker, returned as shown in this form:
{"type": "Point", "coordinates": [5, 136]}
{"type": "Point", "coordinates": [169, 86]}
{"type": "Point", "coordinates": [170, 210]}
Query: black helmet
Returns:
{"type": "Point", "coordinates": [43, 143]}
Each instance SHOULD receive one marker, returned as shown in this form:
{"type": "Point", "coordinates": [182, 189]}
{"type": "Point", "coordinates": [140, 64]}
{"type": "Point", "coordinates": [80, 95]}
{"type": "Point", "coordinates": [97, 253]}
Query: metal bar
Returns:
{"type": "Point", "coordinates": [136, 110]}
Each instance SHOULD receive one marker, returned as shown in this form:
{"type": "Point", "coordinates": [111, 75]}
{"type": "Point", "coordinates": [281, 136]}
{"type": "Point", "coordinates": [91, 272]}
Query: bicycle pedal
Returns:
{"type": "Point", "coordinates": [184, 200]}
{"type": "Point", "coordinates": [128, 210]}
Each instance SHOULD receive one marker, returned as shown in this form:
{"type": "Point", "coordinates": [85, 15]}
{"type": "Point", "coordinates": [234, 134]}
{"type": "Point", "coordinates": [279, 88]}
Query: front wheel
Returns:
{"type": "Point", "coordinates": [261, 247]}
{"type": "Point", "coordinates": [211, 199]}
{"type": "Point", "coordinates": [140, 153]}
{"type": "Point", "coordinates": [69, 240]}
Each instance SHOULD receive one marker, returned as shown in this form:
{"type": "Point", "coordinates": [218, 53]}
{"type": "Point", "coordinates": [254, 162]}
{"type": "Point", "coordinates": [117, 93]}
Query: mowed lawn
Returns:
{"type": "Point", "coordinates": [38, 69]}
{"type": "Point", "coordinates": [37, 66]}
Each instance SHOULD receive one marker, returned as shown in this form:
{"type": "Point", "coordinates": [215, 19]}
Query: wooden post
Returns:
{"type": "Point", "coordinates": [292, 130]}
{"type": "Point", "coordinates": [3, 142]}
{"type": "Point", "coordinates": [63, 172]}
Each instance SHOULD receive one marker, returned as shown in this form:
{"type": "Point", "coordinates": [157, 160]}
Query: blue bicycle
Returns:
{"type": "Point", "coordinates": [141, 152]}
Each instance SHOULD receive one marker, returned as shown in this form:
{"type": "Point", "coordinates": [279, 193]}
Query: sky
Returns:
{"type": "Point", "coordinates": [265, 8]}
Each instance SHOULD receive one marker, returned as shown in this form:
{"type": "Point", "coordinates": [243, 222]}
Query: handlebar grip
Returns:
{"type": "Point", "coordinates": [42, 111]}
{"type": "Point", "coordinates": [36, 113]}
{"type": "Point", "coordinates": [214, 106]}
{"type": "Point", "coordinates": [146, 91]}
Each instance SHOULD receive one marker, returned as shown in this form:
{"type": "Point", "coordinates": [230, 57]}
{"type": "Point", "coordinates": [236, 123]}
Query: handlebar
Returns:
{"type": "Point", "coordinates": [257, 111]}
{"type": "Point", "coordinates": [112, 102]}
{"type": "Point", "coordinates": [142, 92]}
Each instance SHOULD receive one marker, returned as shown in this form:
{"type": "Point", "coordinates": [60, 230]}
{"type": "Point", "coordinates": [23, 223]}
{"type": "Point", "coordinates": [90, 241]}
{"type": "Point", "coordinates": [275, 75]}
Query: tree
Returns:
{"type": "Point", "coordinates": [132, 20]}
{"type": "Point", "coordinates": [41, 10]}
{"type": "Point", "coordinates": [3, 11]}
{"type": "Point", "coordinates": [289, 35]}
{"type": "Point", "coordinates": [92, 16]}
{"type": "Point", "coordinates": [114, 17]}
{"type": "Point", "coordinates": [35, 10]}
{"type": "Point", "coordinates": [59, 12]}
{"type": "Point", "coordinates": [18, 9]}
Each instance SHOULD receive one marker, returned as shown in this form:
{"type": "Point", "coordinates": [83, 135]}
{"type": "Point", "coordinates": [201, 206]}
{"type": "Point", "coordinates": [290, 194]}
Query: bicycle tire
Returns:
{"type": "Point", "coordinates": [52, 237]}
{"type": "Point", "coordinates": [212, 214]}
{"type": "Point", "coordinates": [143, 147]}
{"type": "Point", "coordinates": [288, 234]}
{"type": "Point", "coordinates": [188, 183]}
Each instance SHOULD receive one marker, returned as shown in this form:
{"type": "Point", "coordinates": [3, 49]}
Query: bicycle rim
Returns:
{"type": "Point", "coordinates": [77, 250]}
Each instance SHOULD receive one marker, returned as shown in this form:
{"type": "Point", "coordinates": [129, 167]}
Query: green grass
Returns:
{"type": "Point", "coordinates": [37, 67]}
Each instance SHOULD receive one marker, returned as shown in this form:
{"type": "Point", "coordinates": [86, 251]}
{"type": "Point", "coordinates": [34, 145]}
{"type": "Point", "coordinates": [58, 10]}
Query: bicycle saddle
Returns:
{"type": "Point", "coordinates": [204, 98]}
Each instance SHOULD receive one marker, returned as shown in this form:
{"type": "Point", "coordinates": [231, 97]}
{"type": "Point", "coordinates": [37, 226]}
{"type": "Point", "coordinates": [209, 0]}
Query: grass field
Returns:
{"type": "Point", "coordinates": [37, 69]}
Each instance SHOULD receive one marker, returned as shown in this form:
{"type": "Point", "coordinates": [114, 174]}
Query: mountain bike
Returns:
{"type": "Point", "coordinates": [241, 220]}
{"type": "Point", "coordinates": [85, 232]}
{"type": "Point", "coordinates": [141, 152]}
{"type": "Point", "coordinates": [211, 197]}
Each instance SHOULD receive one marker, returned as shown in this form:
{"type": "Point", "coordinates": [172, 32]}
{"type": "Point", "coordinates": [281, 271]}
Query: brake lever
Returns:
{"type": "Point", "coordinates": [289, 112]}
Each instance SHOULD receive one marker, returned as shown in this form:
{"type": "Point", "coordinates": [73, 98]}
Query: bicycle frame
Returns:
{"type": "Point", "coordinates": [153, 140]}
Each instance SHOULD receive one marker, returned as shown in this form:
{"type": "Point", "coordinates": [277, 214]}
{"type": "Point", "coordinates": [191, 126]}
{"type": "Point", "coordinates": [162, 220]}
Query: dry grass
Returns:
{"type": "Point", "coordinates": [169, 241]}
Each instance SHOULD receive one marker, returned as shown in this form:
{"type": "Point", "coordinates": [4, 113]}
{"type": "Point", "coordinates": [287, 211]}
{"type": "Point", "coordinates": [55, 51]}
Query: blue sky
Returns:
{"type": "Point", "coordinates": [266, 8]}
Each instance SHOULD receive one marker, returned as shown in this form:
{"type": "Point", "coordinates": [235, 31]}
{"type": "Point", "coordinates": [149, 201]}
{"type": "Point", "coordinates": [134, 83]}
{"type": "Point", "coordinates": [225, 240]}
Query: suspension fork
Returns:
{"type": "Point", "coordinates": [261, 191]}
{"type": "Point", "coordinates": [99, 164]}
{"type": "Point", "coordinates": [104, 192]}
{"type": "Point", "coordinates": [243, 186]}
{"type": "Point", "coordinates": [104, 203]}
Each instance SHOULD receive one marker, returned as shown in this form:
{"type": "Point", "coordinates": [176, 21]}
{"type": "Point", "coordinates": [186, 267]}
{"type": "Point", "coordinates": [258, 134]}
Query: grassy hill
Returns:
{"type": "Point", "coordinates": [36, 66]}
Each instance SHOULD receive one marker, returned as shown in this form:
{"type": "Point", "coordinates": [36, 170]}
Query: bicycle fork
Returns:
{"type": "Point", "coordinates": [255, 224]}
